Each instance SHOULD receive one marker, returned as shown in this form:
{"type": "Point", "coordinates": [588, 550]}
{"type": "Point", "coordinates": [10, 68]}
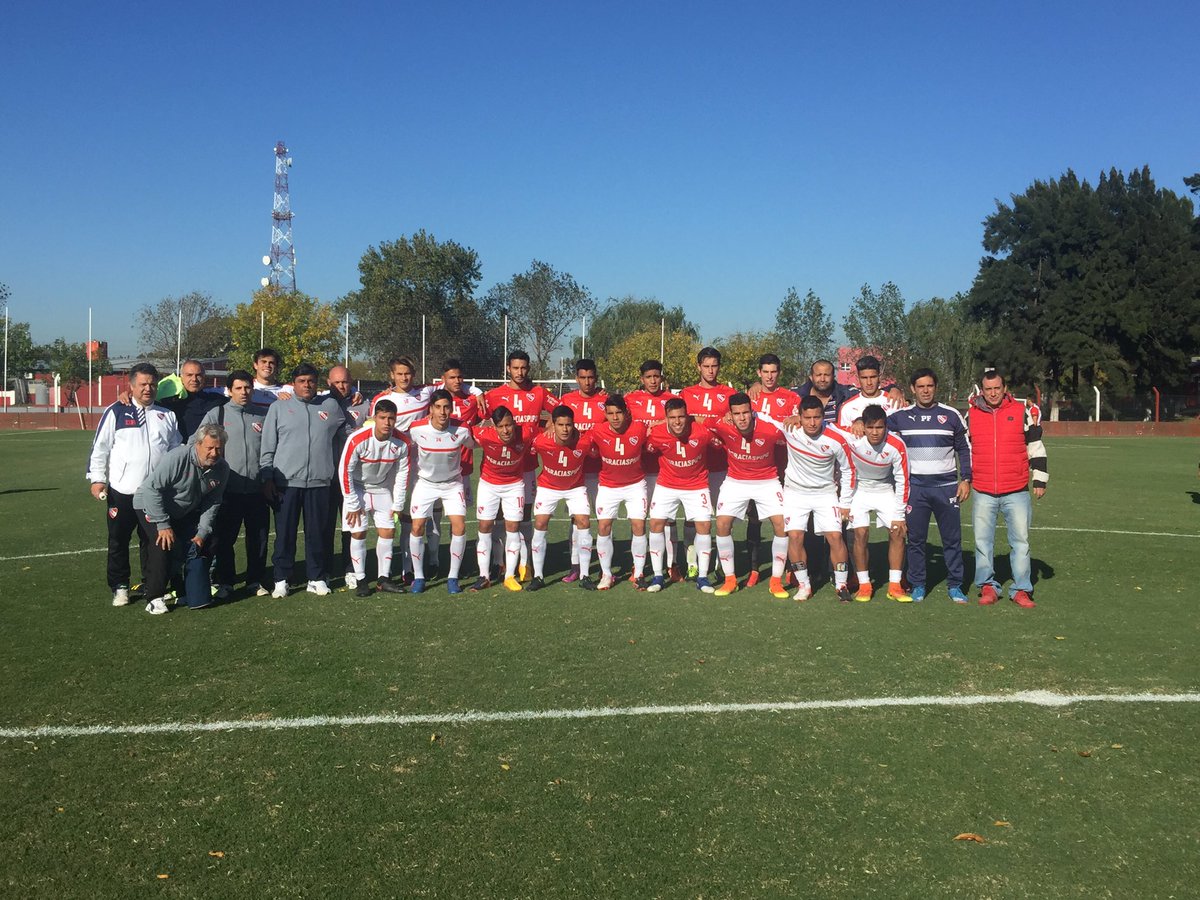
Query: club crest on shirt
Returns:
{"type": "Point", "coordinates": [941, 420]}
{"type": "Point", "coordinates": [633, 441]}
{"type": "Point", "coordinates": [323, 415]}
{"type": "Point", "coordinates": [112, 512]}
{"type": "Point", "coordinates": [257, 426]}
{"type": "Point", "coordinates": [758, 442]}
{"type": "Point", "coordinates": [212, 484]}
{"type": "Point", "coordinates": [577, 453]}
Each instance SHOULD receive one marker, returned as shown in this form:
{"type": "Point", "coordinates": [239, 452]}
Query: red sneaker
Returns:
{"type": "Point", "coordinates": [1022, 599]}
{"type": "Point", "coordinates": [753, 579]}
{"type": "Point", "coordinates": [987, 595]}
{"type": "Point", "coordinates": [676, 574]}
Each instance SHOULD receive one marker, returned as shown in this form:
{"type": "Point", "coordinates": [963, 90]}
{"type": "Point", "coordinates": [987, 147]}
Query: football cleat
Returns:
{"type": "Point", "coordinates": [987, 595]}
{"type": "Point", "coordinates": [352, 580]}
{"type": "Point", "coordinates": [864, 592]}
{"type": "Point", "coordinates": [803, 592]}
{"type": "Point", "coordinates": [896, 592]}
{"type": "Point", "coordinates": [452, 586]}
{"type": "Point", "coordinates": [363, 589]}
{"type": "Point", "coordinates": [512, 584]}
{"type": "Point", "coordinates": [221, 591]}
{"type": "Point", "coordinates": [1023, 600]}
{"type": "Point", "coordinates": [535, 584]}
{"type": "Point", "coordinates": [157, 606]}
{"type": "Point", "coordinates": [257, 589]}
{"type": "Point", "coordinates": [121, 596]}
{"type": "Point", "coordinates": [281, 589]}
{"type": "Point", "coordinates": [778, 591]}
{"type": "Point", "coordinates": [482, 584]}
{"type": "Point", "coordinates": [917, 593]}
{"type": "Point", "coordinates": [606, 583]}
{"type": "Point", "coordinates": [655, 585]}
{"type": "Point", "coordinates": [571, 576]}
{"type": "Point", "coordinates": [417, 586]}
{"type": "Point", "coordinates": [704, 587]}
{"type": "Point", "coordinates": [320, 588]}
{"type": "Point", "coordinates": [391, 586]}
{"type": "Point", "coordinates": [675, 575]}
{"type": "Point", "coordinates": [844, 595]}
{"type": "Point", "coordinates": [958, 595]}
{"type": "Point", "coordinates": [753, 578]}
{"type": "Point", "coordinates": [730, 586]}
{"type": "Point", "coordinates": [586, 584]}
{"type": "Point", "coordinates": [522, 572]}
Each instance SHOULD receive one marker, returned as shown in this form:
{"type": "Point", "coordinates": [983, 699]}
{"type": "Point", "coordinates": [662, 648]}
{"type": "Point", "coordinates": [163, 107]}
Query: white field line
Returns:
{"type": "Point", "coordinates": [1033, 698]}
{"type": "Point", "coordinates": [965, 525]}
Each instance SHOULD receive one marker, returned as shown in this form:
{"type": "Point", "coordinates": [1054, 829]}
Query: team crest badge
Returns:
{"type": "Point", "coordinates": [257, 426]}
{"type": "Point", "coordinates": [577, 454]}
{"type": "Point", "coordinates": [112, 512]}
{"type": "Point", "coordinates": [161, 417]}
{"type": "Point", "coordinates": [941, 420]}
{"type": "Point", "coordinates": [758, 442]}
{"type": "Point", "coordinates": [633, 441]}
{"type": "Point", "coordinates": [323, 415]}
{"type": "Point", "coordinates": [212, 484]}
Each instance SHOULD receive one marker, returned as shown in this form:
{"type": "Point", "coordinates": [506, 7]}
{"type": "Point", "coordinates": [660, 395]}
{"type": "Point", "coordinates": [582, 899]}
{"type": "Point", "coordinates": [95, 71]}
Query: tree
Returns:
{"type": "Point", "coordinates": [301, 328]}
{"type": "Point", "coordinates": [22, 354]}
{"type": "Point", "coordinates": [740, 353]}
{"type": "Point", "coordinates": [877, 323]}
{"type": "Point", "coordinates": [943, 337]}
{"type": "Point", "coordinates": [621, 367]}
{"type": "Point", "coordinates": [804, 331]}
{"type": "Point", "coordinates": [628, 316]}
{"type": "Point", "coordinates": [1091, 286]}
{"type": "Point", "coordinates": [205, 330]}
{"type": "Point", "coordinates": [543, 306]}
{"type": "Point", "coordinates": [408, 278]}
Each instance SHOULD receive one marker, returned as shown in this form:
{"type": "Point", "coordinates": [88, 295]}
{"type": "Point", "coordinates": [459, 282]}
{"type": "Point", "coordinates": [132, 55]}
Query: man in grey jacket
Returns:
{"type": "Point", "coordinates": [245, 502]}
{"type": "Point", "coordinates": [177, 509]}
{"type": "Point", "coordinates": [298, 467]}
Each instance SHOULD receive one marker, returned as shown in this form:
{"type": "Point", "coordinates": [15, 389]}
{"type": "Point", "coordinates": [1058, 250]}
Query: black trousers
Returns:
{"type": "Point", "coordinates": [314, 504]}
{"type": "Point", "coordinates": [236, 511]}
{"type": "Point", "coordinates": [164, 565]}
{"type": "Point", "coordinates": [122, 523]}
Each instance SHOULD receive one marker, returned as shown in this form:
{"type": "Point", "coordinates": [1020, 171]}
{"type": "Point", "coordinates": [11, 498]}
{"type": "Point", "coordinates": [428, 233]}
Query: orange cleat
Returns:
{"type": "Point", "coordinates": [864, 592]}
{"type": "Point", "coordinates": [730, 586]}
{"type": "Point", "coordinates": [753, 579]}
{"type": "Point", "coordinates": [778, 591]}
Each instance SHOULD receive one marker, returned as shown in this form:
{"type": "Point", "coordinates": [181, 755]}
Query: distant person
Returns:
{"type": "Point", "coordinates": [504, 451]}
{"type": "Point", "coordinates": [177, 510]}
{"type": "Point", "coordinates": [587, 402]}
{"type": "Point", "coordinates": [356, 411]}
{"type": "Point", "coordinates": [646, 405]}
{"type": "Point", "coordinates": [619, 443]}
{"type": "Point", "coordinates": [194, 404]}
{"type": "Point", "coordinates": [1006, 438]}
{"type": "Point", "coordinates": [822, 385]}
{"type": "Point", "coordinates": [562, 454]}
{"type": "Point", "coordinates": [707, 403]}
{"type": "Point", "coordinates": [130, 440]}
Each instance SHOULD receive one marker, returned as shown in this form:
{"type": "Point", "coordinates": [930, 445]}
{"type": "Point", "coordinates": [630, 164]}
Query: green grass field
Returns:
{"type": "Point", "coordinates": [1097, 799]}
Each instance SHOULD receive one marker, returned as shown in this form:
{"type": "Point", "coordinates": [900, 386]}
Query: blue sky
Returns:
{"type": "Point", "coordinates": [705, 154]}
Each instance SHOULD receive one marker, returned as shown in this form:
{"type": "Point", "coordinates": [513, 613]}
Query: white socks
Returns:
{"type": "Point", "coordinates": [458, 549]}
{"type": "Point", "coordinates": [703, 546]}
{"type": "Point", "coordinates": [383, 555]}
{"type": "Point", "coordinates": [725, 555]}
{"type": "Point", "coordinates": [779, 552]}
{"type": "Point", "coordinates": [604, 550]}
{"type": "Point", "coordinates": [358, 556]}
{"type": "Point", "coordinates": [658, 546]}
{"type": "Point", "coordinates": [638, 548]}
{"type": "Point", "coordinates": [539, 553]}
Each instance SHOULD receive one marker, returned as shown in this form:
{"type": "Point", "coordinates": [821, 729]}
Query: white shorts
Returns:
{"type": "Point", "coordinates": [884, 504]}
{"type": "Point", "coordinates": [822, 504]}
{"type": "Point", "coordinates": [426, 493]}
{"type": "Point", "coordinates": [547, 499]}
{"type": "Point", "coordinates": [376, 507]}
{"type": "Point", "coordinates": [736, 496]}
{"type": "Point", "coordinates": [494, 497]}
{"type": "Point", "coordinates": [467, 500]}
{"type": "Point", "coordinates": [715, 481]}
{"type": "Point", "coordinates": [609, 500]}
{"type": "Point", "coordinates": [697, 505]}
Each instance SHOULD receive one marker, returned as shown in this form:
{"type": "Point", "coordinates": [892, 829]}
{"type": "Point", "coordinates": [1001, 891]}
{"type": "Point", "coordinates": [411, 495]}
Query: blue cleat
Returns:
{"type": "Point", "coordinates": [656, 584]}
{"type": "Point", "coordinates": [958, 595]}
{"type": "Point", "coordinates": [917, 593]}
{"type": "Point", "coordinates": [704, 587]}
{"type": "Point", "coordinates": [452, 586]}
{"type": "Point", "coordinates": [417, 586]}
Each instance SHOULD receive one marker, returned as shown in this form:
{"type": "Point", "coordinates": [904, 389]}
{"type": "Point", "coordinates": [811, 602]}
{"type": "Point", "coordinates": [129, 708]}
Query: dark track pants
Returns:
{"type": "Point", "coordinates": [162, 565]}
{"type": "Point", "coordinates": [314, 504]}
{"type": "Point", "coordinates": [236, 510]}
{"type": "Point", "coordinates": [940, 503]}
{"type": "Point", "coordinates": [122, 523]}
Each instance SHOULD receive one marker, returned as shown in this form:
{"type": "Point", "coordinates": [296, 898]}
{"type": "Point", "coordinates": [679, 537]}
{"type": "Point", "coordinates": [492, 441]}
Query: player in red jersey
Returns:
{"type": "Point", "coordinates": [505, 449]}
{"type": "Point", "coordinates": [618, 444]}
{"type": "Point", "coordinates": [682, 444]}
{"type": "Point", "coordinates": [587, 402]}
{"type": "Point", "coordinates": [753, 479]}
{"type": "Point", "coordinates": [646, 405]}
{"type": "Point", "coordinates": [530, 404]}
{"type": "Point", "coordinates": [562, 454]}
{"type": "Point", "coordinates": [708, 401]}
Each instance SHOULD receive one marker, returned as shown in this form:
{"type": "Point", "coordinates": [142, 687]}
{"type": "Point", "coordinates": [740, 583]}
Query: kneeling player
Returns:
{"type": "Point", "coordinates": [881, 462]}
{"type": "Point", "coordinates": [501, 487]}
{"type": "Point", "coordinates": [619, 442]}
{"type": "Point", "coordinates": [373, 477]}
{"type": "Point", "coordinates": [561, 480]}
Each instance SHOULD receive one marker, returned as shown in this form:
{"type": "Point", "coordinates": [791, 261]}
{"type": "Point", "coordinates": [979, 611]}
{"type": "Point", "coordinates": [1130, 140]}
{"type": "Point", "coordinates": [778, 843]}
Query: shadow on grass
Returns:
{"type": "Point", "coordinates": [1195, 495]}
{"type": "Point", "coordinates": [35, 490]}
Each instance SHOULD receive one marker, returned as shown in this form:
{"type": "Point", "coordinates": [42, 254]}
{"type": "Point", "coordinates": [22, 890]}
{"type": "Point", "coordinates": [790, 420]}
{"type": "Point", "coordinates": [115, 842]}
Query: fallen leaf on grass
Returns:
{"type": "Point", "coordinates": [1001, 823]}
{"type": "Point", "coordinates": [970, 836]}
{"type": "Point", "coordinates": [1117, 747]}
{"type": "Point", "coordinates": [701, 661]}
{"type": "Point", "coordinates": [163, 877]}
{"type": "Point", "coordinates": [217, 854]}
{"type": "Point", "coordinates": [632, 641]}
{"type": "Point", "coordinates": [1084, 752]}
{"type": "Point", "coordinates": [1059, 637]}
{"type": "Point", "coordinates": [434, 738]}
{"type": "Point", "coordinates": [60, 809]}
{"type": "Point", "coordinates": [505, 766]}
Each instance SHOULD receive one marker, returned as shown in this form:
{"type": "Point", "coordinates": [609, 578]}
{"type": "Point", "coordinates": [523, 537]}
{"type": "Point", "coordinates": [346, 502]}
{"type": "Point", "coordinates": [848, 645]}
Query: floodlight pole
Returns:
{"type": "Point", "coordinates": [662, 340]}
{"type": "Point", "coordinates": [5, 389]}
{"type": "Point", "coordinates": [89, 356]}
{"type": "Point", "coordinates": [504, 359]}
{"type": "Point", "coordinates": [347, 363]}
{"type": "Point", "coordinates": [423, 348]}
{"type": "Point", "coordinates": [179, 339]}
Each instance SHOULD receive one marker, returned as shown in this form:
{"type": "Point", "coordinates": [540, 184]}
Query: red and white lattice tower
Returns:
{"type": "Point", "coordinates": [282, 260]}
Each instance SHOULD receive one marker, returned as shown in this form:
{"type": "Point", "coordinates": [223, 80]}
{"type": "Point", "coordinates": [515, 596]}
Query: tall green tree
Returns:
{"type": "Point", "coordinates": [543, 305]}
{"type": "Point", "coordinates": [403, 280]}
{"type": "Point", "coordinates": [804, 330]}
{"type": "Point", "coordinates": [22, 354]}
{"type": "Point", "coordinates": [205, 329]}
{"type": "Point", "coordinates": [740, 353]}
{"type": "Point", "coordinates": [628, 316]}
{"type": "Point", "coordinates": [299, 327]}
{"type": "Point", "coordinates": [878, 323]}
{"type": "Point", "coordinates": [1091, 286]}
{"type": "Point", "coordinates": [943, 337]}
{"type": "Point", "coordinates": [621, 366]}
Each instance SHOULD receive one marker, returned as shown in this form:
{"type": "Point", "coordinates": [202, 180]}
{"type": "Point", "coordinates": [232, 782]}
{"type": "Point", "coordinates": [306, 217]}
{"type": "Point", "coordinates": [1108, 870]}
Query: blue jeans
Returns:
{"type": "Point", "coordinates": [1017, 510]}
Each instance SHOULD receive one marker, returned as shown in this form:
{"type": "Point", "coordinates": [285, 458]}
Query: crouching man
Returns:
{"type": "Point", "coordinates": [176, 508]}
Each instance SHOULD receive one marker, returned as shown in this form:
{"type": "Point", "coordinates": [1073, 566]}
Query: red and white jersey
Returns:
{"type": "Point", "coordinates": [589, 412]}
{"type": "Point", "coordinates": [437, 454]}
{"type": "Point", "coordinates": [562, 464]}
{"type": "Point", "coordinates": [751, 458]}
{"type": "Point", "coordinates": [502, 463]}
{"type": "Point", "coordinates": [707, 405]}
{"type": "Point", "coordinates": [880, 468]}
{"type": "Point", "coordinates": [466, 410]}
{"type": "Point", "coordinates": [411, 405]}
{"type": "Point", "coordinates": [778, 404]}
{"type": "Point", "coordinates": [683, 460]}
{"type": "Point", "coordinates": [649, 409]}
{"type": "Point", "coordinates": [619, 454]}
{"type": "Point", "coordinates": [811, 461]}
{"type": "Point", "coordinates": [370, 464]}
{"type": "Point", "coordinates": [526, 406]}
{"type": "Point", "coordinates": [853, 408]}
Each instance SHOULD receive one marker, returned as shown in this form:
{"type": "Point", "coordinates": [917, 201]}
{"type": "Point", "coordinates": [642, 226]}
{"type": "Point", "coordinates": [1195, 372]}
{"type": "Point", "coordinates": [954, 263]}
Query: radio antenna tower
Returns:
{"type": "Point", "coordinates": [282, 260]}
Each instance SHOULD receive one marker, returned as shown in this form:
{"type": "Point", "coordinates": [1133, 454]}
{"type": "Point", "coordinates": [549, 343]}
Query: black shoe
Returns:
{"type": "Point", "coordinates": [587, 584]}
{"type": "Point", "coordinates": [481, 584]}
{"type": "Point", "coordinates": [388, 586]}
{"type": "Point", "coordinates": [536, 584]}
{"type": "Point", "coordinates": [364, 589]}
{"type": "Point", "coordinates": [843, 594]}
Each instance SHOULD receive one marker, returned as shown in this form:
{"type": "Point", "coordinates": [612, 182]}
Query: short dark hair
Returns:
{"type": "Point", "coordinates": [741, 398]}
{"type": "Point", "coordinates": [239, 375]}
{"type": "Point", "coordinates": [769, 359]}
{"type": "Point", "coordinates": [708, 353]}
{"type": "Point", "coordinates": [562, 411]}
{"type": "Point", "coordinates": [673, 404]}
{"type": "Point", "coordinates": [442, 394]}
{"type": "Point", "coordinates": [142, 368]}
{"type": "Point", "coordinates": [811, 402]}
{"type": "Point", "coordinates": [923, 373]}
{"type": "Point", "coordinates": [268, 351]}
{"type": "Point", "coordinates": [873, 413]}
{"type": "Point", "coordinates": [616, 401]}
{"type": "Point", "coordinates": [992, 372]}
{"type": "Point", "coordinates": [500, 413]}
{"type": "Point", "coordinates": [518, 354]}
{"type": "Point", "coordinates": [867, 362]}
{"type": "Point", "coordinates": [305, 368]}
{"type": "Point", "coordinates": [585, 365]}
{"type": "Point", "coordinates": [450, 365]}
{"type": "Point", "coordinates": [651, 365]}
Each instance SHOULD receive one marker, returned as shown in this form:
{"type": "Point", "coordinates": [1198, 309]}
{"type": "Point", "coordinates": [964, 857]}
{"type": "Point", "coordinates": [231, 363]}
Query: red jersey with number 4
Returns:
{"type": "Point", "coordinates": [619, 455]}
{"type": "Point", "coordinates": [589, 412]}
{"type": "Point", "coordinates": [526, 406]}
{"type": "Point", "coordinates": [682, 460]}
{"type": "Point", "coordinates": [648, 409]}
{"type": "Point", "coordinates": [502, 463]}
{"type": "Point", "coordinates": [751, 458]}
{"type": "Point", "coordinates": [562, 464]}
{"type": "Point", "coordinates": [707, 405]}
{"type": "Point", "coordinates": [466, 410]}
{"type": "Point", "coordinates": [778, 404]}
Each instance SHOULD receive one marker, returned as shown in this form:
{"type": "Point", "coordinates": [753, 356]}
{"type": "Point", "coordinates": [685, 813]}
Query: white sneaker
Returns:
{"type": "Point", "coordinates": [121, 597]}
{"type": "Point", "coordinates": [804, 592]}
{"type": "Point", "coordinates": [280, 589]}
{"type": "Point", "coordinates": [157, 606]}
{"type": "Point", "coordinates": [351, 580]}
{"type": "Point", "coordinates": [320, 588]}
{"type": "Point", "coordinates": [605, 583]}
{"type": "Point", "coordinates": [222, 591]}
{"type": "Point", "coordinates": [258, 589]}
